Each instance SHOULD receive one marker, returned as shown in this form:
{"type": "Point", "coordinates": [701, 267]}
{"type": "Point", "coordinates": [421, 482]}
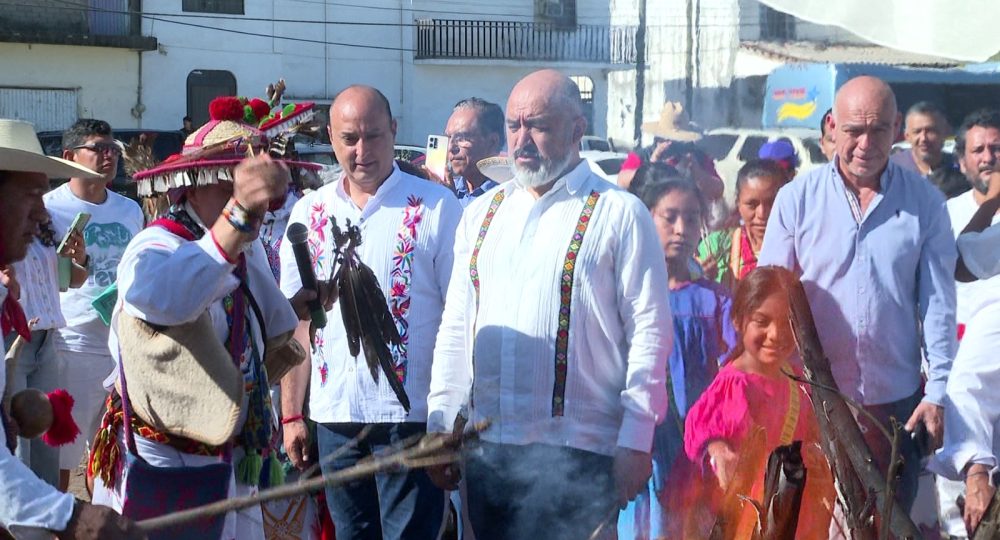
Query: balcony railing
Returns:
{"type": "Point", "coordinates": [504, 40]}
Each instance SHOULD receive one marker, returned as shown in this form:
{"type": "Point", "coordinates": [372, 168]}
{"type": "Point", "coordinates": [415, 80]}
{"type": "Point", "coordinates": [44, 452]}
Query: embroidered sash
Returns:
{"type": "Point", "coordinates": [400, 276]}
{"type": "Point", "coordinates": [565, 303]}
{"type": "Point", "coordinates": [791, 415]}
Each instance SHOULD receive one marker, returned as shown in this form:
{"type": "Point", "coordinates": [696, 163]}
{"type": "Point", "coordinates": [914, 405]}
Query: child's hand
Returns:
{"type": "Point", "coordinates": [724, 462]}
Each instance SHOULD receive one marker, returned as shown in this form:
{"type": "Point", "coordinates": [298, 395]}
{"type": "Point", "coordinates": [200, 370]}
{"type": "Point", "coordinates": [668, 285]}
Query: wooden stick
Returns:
{"type": "Point", "coordinates": [435, 451]}
{"type": "Point", "coordinates": [890, 480]}
{"type": "Point", "coordinates": [844, 426]}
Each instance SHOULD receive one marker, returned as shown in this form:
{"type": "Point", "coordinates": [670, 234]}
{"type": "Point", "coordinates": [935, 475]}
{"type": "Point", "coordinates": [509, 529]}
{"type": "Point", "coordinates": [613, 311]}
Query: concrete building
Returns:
{"type": "Point", "coordinates": [89, 57]}
{"type": "Point", "coordinates": [62, 60]}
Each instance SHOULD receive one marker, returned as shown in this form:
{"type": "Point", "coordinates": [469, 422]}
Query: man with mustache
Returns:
{"type": "Point", "coordinates": [926, 130]}
{"type": "Point", "coordinates": [31, 508]}
{"type": "Point", "coordinates": [114, 220]}
{"type": "Point", "coordinates": [557, 328]}
{"type": "Point", "coordinates": [475, 132]}
{"type": "Point", "coordinates": [977, 146]}
{"type": "Point", "coordinates": [872, 243]}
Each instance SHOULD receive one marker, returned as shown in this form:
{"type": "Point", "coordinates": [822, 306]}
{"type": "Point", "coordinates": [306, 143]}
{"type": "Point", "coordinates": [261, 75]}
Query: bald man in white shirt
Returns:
{"type": "Point", "coordinates": [557, 328]}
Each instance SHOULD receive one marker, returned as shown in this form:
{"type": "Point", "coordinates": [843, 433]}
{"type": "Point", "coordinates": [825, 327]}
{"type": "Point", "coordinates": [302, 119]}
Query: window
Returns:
{"type": "Point", "coordinates": [718, 145]}
{"type": "Point", "coordinates": [751, 147]}
{"type": "Point", "coordinates": [558, 12]}
{"type": "Point", "coordinates": [776, 25]}
{"type": "Point", "coordinates": [586, 86]}
{"type": "Point", "coordinates": [234, 7]}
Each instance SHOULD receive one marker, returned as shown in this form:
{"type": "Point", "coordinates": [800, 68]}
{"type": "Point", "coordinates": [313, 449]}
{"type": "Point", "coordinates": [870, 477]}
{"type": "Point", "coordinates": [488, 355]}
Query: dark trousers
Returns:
{"type": "Point", "coordinates": [399, 505]}
{"type": "Point", "coordinates": [906, 489]}
{"type": "Point", "coordinates": [538, 491]}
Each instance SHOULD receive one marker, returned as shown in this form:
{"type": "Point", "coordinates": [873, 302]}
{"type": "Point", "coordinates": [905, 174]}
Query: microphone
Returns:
{"type": "Point", "coordinates": [297, 235]}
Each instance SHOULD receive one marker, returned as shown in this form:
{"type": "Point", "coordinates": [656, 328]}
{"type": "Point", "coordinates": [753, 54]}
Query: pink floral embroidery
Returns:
{"type": "Point", "coordinates": [402, 271]}
{"type": "Point", "coordinates": [319, 222]}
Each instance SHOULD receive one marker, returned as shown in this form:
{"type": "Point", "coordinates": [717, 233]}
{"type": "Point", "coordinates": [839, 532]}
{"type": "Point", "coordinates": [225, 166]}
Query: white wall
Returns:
{"type": "Point", "coordinates": [421, 94]}
{"type": "Point", "coordinates": [105, 77]}
{"type": "Point", "coordinates": [436, 88]}
{"type": "Point", "coordinates": [666, 56]}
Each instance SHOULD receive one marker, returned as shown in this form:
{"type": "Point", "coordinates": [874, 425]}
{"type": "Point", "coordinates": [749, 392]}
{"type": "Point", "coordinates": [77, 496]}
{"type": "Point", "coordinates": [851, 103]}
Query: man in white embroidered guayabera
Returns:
{"type": "Point", "coordinates": [29, 507]}
{"type": "Point", "coordinates": [972, 409]}
{"type": "Point", "coordinates": [407, 228]}
{"type": "Point", "coordinates": [557, 328]}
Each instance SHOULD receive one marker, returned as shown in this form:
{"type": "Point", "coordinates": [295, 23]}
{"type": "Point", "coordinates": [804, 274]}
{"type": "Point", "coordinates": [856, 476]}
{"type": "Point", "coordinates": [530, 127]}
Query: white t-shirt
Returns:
{"type": "Point", "coordinates": [971, 297]}
{"type": "Point", "coordinates": [112, 225]}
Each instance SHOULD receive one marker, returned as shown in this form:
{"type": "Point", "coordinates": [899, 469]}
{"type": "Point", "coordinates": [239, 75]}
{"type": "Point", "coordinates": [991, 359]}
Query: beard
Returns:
{"type": "Point", "coordinates": [548, 170]}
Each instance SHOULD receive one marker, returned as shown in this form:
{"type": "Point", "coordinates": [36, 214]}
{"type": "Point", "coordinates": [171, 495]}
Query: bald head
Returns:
{"type": "Point", "coordinates": [551, 86]}
{"type": "Point", "coordinates": [363, 135]}
{"type": "Point", "coordinates": [865, 121]}
{"type": "Point", "coordinates": [866, 90]}
{"type": "Point", "coordinates": [544, 126]}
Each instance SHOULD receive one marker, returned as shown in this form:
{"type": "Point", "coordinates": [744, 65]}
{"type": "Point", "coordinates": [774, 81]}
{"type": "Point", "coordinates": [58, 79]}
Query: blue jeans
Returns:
{"type": "Point", "coordinates": [538, 491]}
{"type": "Point", "coordinates": [38, 367]}
{"type": "Point", "coordinates": [399, 505]}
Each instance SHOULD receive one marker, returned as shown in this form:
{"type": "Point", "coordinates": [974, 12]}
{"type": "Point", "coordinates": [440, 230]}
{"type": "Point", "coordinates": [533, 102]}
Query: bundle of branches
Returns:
{"type": "Point", "coordinates": [367, 320]}
{"type": "Point", "coordinates": [417, 453]}
{"type": "Point", "coordinates": [858, 478]}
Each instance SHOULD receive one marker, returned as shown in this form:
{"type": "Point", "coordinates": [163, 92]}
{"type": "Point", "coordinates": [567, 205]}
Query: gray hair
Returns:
{"type": "Point", "coordinates": [490, 115]}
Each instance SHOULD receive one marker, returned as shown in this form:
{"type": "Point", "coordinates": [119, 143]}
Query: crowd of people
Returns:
{"type": "Point", "coordinates": [630, 344]}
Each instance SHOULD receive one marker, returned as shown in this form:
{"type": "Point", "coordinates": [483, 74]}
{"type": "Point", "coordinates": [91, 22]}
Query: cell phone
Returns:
{"type": "Point", "coordinates": [437, 155]}
{"type": "Point", "coordinates": [79, 223]}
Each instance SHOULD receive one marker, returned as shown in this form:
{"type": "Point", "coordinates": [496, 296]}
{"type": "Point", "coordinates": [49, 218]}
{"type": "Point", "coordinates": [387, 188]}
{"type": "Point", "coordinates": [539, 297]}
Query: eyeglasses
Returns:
{"type": "Point", "coordinates": [463, 139]}
{"type": "Point", "coordinates": [100, 148]}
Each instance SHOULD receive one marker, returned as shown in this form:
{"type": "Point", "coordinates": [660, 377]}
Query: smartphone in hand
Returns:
{"type": "Point", "coordinates": [437, 155]}
{"type": "Point", "coordinates": [79, 223]}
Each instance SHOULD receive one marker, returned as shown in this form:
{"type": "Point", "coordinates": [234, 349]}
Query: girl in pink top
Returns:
{"type": "Point", "coordinates": [752, 400]}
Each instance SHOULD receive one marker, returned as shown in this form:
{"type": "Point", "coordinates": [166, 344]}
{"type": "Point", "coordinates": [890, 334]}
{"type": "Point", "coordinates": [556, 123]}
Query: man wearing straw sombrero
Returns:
{"type": "Point", "coordinates": [32, 508]}
{"type": "Point", "coordinates": [674, 143]}
{"type": "Point", "coordinates": [197, 317]}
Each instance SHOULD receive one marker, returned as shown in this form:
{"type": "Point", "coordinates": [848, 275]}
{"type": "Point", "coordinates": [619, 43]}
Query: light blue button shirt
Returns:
{"type": "Point", "coordinates": [872, 286]}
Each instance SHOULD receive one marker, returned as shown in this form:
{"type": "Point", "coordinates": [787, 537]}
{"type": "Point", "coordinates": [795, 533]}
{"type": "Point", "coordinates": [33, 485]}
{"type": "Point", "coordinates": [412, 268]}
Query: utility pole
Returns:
{"type": "Point", "coordinates": [689, 59]}
{"type": "Point", "coordinates": [640, 73]}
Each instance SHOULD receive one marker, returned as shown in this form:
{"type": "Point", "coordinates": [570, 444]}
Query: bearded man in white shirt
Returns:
{"type": "Point", "coordinates": [407, 230]}
{"type": "Point", "coordinates": [557, 328]}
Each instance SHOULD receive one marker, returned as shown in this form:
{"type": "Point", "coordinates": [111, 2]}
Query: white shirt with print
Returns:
{"type": "Point", "coordinates": [112, 225]}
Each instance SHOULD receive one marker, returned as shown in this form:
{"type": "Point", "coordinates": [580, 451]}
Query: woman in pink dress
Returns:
{"type": "Point", "coordinates": [751, 408]}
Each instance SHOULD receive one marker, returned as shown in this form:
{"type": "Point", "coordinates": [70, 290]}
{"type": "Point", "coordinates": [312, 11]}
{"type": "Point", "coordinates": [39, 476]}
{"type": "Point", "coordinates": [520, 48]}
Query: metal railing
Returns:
{"type": "Point", "coordinates": [507, 40]}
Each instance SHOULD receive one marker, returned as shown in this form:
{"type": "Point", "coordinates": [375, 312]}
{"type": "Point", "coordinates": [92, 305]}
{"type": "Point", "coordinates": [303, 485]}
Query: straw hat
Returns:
{"type": "Point", "coordinates": [673, 124]}
{"type": "Point", "coordinates": [211, 152]}
{"type": "Point", "coordinates": [181, 379]}
{"type": "Point", "coordinates": [20, 151]}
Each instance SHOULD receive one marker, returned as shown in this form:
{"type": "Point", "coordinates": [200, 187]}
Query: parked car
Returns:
{"type": "Point", "coordinates": [605, 164]}
{"type": "Point", "coordinates": [731, 148]}
{"type": "Point", "coordinates": [595, 144]}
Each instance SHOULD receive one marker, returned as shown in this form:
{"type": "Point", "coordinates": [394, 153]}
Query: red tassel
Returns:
{"type": "Point", "coordinates": [226, 108]}
{"type": "Point", "coordinates": [260, 108]}
{"type": "Point", "coordinates": [64, 429]}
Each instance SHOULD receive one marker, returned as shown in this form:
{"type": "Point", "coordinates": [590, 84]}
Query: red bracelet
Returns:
{"type": "Point", "coordinates": [290, 419]}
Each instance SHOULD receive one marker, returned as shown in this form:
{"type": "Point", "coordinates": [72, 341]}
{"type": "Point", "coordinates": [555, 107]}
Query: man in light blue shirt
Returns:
{"type": "Point", "coordinates": [475, 131]}
{"type": "Point", "coordinates": [873, 246]}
